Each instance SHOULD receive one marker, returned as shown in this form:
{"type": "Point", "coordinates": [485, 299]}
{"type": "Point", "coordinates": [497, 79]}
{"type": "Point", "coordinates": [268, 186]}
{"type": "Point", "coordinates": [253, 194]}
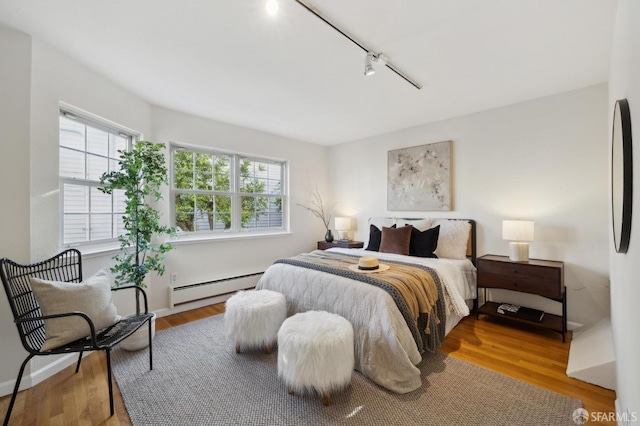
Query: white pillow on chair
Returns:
{"type": "Point", "coordinates": [92, 297]}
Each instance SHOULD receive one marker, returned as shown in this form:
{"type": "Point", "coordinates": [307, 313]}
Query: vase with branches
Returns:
{"type": "Point", "coordinates": [322, 210]}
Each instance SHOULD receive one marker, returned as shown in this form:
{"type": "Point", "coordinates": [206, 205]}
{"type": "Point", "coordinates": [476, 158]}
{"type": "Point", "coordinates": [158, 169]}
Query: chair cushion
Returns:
{"type": "Point", "coordinates": [92, 297]}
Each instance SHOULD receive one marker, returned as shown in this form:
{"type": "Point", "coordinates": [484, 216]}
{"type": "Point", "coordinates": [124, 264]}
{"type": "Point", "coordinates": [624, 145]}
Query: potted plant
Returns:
{"type": "Point", "coordinates": [141, 174]}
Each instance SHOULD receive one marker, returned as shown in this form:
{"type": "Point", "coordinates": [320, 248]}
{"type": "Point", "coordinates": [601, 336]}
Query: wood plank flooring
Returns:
{"type": "Point", "coordinates": [530, 354]}
{"type": "Point", "coordinates": [538, 357]}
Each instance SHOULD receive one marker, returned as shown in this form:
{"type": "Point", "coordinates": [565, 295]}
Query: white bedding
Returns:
{"type": "Point", "coordinates": [385, 350]}
{"type": "Point", "coordinates": [458, 276]}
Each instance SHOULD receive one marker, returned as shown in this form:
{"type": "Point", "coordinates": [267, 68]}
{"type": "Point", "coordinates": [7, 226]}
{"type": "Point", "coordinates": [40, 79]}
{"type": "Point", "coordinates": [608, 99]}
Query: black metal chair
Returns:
{"type": "Point", "coordinates": [66, 266]}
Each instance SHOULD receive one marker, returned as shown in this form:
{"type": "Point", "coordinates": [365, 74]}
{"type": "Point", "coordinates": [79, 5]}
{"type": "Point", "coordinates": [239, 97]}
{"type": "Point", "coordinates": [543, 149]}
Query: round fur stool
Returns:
{"type": "Point", "coordinates": [252, 318]}
{"type": "Point", "coordinates": [315, 352]}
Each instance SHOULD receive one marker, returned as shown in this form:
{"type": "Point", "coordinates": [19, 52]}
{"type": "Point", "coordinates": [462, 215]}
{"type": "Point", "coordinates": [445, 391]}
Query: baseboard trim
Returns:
{"type": "Point", "coordinates": [573, 325]}
{"type": "Point", "coordinates": [187, 306]}
{"type": "Point", "coordinates": [40, 375]}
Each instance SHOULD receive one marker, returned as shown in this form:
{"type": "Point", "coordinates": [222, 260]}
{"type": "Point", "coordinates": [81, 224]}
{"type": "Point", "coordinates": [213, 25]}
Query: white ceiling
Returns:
{"type": "Point", "coordinates": [294, 76]}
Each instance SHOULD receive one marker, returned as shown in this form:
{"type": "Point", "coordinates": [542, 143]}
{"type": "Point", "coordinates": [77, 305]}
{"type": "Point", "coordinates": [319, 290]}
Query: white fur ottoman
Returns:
{"type": "Point", "coordinates": [252, 318]}
{"type": "Point", "coordinates": [315, 352]}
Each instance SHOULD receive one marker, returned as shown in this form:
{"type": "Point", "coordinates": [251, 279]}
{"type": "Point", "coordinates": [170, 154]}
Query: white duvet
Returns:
{"type": "Point", "coordinates": [384, 347]}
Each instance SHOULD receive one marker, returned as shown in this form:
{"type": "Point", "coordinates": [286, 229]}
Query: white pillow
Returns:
{"type": "Point", "coordinates": [382, 221]}
{"type": "Point", "coordinates": [453, 238]}
{"type": "Point", "coordinates": [92, 297]}
{"type": "Point", "coordinates": [420, 224]}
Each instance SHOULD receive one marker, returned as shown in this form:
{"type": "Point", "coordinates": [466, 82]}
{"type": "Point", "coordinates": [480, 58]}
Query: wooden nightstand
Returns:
{"type": "Point", "coordinates": [542, 277]}
{"type": "Point", "coordinates": [323, 245]}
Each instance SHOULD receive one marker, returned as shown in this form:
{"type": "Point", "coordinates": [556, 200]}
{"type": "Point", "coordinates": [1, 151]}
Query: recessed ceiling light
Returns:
{"type": "Point", "coordinates": [272, 7]}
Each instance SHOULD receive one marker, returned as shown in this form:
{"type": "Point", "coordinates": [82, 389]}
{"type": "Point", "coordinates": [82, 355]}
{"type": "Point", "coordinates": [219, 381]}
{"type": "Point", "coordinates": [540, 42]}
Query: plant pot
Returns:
{"type": "Point", "coordinates": [140, 339]}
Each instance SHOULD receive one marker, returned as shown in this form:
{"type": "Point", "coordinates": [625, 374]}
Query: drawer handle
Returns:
{"type": "Point", "coordinates": [515, 284]}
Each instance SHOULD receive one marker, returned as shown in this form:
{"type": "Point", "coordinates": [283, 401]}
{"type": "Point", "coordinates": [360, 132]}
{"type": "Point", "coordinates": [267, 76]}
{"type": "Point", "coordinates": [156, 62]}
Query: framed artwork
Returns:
{"type": "Point", "coordinates": [419, 178]}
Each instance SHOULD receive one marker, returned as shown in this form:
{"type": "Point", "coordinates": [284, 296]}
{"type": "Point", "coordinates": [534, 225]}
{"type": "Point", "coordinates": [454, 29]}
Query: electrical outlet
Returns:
{"type": "Point", "coordinates": [174, 277]}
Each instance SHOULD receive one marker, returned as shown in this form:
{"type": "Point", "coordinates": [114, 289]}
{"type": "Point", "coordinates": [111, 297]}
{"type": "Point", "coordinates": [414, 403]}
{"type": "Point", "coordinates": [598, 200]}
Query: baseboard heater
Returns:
{"type": "Point", "coordinates": [185, 293]}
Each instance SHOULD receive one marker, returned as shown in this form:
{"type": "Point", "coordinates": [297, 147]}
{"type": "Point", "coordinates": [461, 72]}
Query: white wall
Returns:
{"type": "Point", "coordinates": [624, 82]}
{"type": "Point", "coordinates": [543, 160]}
{"type": "Point", "coordinates": [35, 78]}
{"type": "Point", "coordinates": [203, 261]}
{"type": "Point", "coordinates": [56, 78]}
{"type": "Point", "coordinates": [15, 51]}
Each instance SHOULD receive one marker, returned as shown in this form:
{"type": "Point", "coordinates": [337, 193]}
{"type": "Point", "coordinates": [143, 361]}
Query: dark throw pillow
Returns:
{"type": "Point", "coordinates": [375, 236]}
{"type": "Point", "coordinates": [395, 240]}
{"type": "Point", "coordinates": [424, 244]}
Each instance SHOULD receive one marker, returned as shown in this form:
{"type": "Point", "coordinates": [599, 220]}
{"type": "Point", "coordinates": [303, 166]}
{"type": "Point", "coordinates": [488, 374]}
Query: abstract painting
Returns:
{"type": "Point", "coordinates": [419, 178]}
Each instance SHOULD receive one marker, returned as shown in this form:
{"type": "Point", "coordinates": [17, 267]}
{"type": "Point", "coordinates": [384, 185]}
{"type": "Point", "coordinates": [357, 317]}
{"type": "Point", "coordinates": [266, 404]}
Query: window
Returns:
{"type": "Point", "coordinates": [87, 150]}
{"type": "Point", "coordinates": [222, 192]}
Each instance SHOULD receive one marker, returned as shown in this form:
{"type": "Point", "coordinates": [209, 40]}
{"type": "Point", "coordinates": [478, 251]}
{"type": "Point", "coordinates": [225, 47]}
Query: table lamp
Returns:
{"type": "Point", "coordinates": [343, 226]}
{"type": "Point", "coordinates": [518, 232]}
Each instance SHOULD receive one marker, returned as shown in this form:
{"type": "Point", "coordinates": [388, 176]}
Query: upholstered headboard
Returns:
{"type": "Point", "coordinates": [471, 241]}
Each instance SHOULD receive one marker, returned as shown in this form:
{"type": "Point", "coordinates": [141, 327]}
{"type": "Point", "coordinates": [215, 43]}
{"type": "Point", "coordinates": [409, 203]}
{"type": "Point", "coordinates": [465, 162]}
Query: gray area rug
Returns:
{"type": "Point", "coordinates": [198, 379]}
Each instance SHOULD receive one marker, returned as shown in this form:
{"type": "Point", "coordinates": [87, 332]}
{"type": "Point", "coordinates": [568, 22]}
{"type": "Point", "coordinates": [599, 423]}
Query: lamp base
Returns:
{"type": "Point", "coordinates": [343, 236]}
{"type": "Point", "coordinates": [519, 252]}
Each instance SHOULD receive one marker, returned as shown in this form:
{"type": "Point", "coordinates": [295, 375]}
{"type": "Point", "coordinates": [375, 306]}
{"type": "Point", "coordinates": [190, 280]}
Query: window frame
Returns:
{"type": "Point", "coordinates": [99, 123]}
{"type": "Point", "coordinates": [236, 230]}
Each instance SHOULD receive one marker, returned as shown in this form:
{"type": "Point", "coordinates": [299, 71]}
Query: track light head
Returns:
{"type": "Point", "coordinates": [368, 64]}
{"type": "Point", "coordinates": [371, 57]}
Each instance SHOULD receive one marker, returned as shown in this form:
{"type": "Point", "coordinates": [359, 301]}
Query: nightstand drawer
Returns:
{"type": "Point", "coordinates": [541, 277]}
{"type": "Point", "coordinates": [323, 245]}
{"type": "Point", "coordinates": [522, 277]}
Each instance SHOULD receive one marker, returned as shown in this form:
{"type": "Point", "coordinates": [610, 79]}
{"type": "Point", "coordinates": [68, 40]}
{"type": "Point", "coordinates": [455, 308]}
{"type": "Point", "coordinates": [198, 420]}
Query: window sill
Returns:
{"type": "Point", "coordinates": [108, 249]}
{"type": "Point", "coordinates": [210, 238]}
{"type": "Point", "coordinates": [95, 250]}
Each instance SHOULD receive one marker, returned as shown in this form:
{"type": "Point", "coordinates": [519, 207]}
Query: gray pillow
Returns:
{"type": "Point", "coordinates": [92, 297]}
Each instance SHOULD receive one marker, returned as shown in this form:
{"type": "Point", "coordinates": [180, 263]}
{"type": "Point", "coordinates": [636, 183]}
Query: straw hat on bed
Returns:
{"type": "Point", "coordinates": [368, 265]}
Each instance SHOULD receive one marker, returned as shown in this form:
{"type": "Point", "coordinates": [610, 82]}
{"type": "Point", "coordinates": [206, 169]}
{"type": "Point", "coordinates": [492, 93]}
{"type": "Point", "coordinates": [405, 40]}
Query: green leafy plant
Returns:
{"type": "Point", "coordinates": [141, 175]}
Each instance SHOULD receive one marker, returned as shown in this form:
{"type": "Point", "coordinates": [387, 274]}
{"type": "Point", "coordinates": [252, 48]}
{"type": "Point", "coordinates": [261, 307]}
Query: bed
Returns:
{"type": "Point", "coordinates": [388, 344]}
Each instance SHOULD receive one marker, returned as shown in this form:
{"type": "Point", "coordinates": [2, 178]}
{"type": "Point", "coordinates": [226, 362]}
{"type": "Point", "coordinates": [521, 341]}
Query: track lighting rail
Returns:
{"type": "Point", "coordinates": [388, 64]}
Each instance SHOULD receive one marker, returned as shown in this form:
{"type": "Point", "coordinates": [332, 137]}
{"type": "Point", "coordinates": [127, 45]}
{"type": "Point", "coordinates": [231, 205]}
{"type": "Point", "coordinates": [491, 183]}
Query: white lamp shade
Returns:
{"type": "Point", "coordinates": [343, 223]}
{"type": "Point", "coordinates": [517, 230]}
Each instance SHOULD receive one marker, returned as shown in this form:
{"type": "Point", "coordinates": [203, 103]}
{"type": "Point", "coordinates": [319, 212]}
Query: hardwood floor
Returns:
{"type": "Point", "coordinates": [530, 354]}
{"type": "Point", "coordinates": [538, 357]}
